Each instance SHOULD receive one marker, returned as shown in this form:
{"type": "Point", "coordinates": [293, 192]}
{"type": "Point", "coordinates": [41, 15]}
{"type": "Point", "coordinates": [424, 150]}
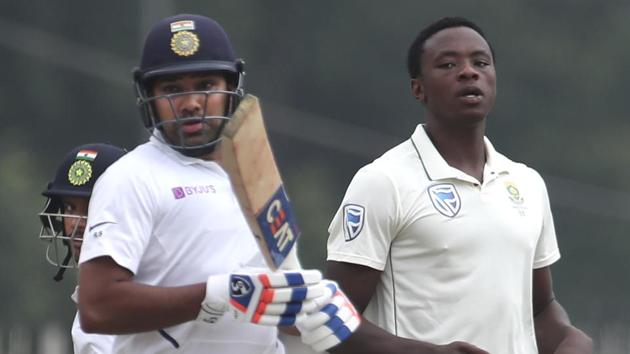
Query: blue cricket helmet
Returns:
{"type": "Point", "coordinates": [186, 43]}
{"type": "Point", "coordinates": [80, 168]}
{"type": "Point", "coordinates": [75, 177]}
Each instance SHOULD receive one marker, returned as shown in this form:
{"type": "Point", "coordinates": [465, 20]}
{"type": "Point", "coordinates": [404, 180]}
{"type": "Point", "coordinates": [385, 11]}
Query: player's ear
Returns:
{"type": "Point", "coordinates": [417, 90]}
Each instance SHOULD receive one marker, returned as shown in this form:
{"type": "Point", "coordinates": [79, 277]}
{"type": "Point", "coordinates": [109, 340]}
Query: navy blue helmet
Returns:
{"type": "Point", "coordinates": [75, 177]}
{"type": "Point", "coordinates": [186, 44]}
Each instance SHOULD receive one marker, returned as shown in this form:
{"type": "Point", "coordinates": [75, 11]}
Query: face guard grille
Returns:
{"type": "Point", "coordinates": [212, 124]}
{"type": "Point", "coordinates": [59, 250]}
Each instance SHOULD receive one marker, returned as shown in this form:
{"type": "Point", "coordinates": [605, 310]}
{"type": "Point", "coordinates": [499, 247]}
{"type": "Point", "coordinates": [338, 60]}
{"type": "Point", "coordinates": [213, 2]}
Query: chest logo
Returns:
{"type": "Point", "coordinates": [183, 191]}
{"type": "Point", "coordinates": [353, 219]}
{"type": "Point", "coordinates": [445, 199]}
{"type": "Point", "coordinates": [518, 202]}
{"type": "Point", "coordinates": [513, 193]}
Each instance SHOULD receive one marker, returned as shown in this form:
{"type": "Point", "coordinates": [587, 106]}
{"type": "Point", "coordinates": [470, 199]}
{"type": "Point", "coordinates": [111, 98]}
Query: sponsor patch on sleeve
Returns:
{"type": "Point", "coordinates": [353, 220]}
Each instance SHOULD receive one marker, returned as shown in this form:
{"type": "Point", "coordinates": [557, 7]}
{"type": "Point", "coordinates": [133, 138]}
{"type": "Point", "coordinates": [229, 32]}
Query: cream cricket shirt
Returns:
{"type": "Point", "coordinates": [174, 220]}
{"type": "Point", "coordinates": [457, 257]}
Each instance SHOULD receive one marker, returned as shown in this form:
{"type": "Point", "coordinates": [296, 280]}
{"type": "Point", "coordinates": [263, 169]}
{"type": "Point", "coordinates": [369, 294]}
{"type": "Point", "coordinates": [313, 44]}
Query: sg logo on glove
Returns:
{"type": "Point", "coordinates": [273, 298]}
{"type": "Point", "coordinates": [241, 287]}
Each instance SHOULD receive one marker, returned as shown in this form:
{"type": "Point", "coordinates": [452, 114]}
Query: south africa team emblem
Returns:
{"type": "Point", "coordinates": [514, 193]}
{"type": "Point", "coordinates": [445, 199]}
{"type": "Point", "coordinates": [353, 219]}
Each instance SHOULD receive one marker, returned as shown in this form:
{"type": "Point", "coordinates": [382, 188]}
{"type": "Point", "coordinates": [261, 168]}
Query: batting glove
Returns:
{"type": "Point", "coordinates": [262, 297]}
{"type": "Point", "coordinates": [333, 323]}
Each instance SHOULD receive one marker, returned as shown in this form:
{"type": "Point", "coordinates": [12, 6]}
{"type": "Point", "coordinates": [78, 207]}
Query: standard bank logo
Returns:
{"type": "Point", "coordinates": [445, 199]}
{"type": "Point", "coordinates": [353, 219]}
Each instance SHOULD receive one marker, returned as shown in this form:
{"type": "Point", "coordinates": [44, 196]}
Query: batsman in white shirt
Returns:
{"type": "Point", "coordinates": [443, 243]}
{"type": "Point", "coordinates": [169, 263]}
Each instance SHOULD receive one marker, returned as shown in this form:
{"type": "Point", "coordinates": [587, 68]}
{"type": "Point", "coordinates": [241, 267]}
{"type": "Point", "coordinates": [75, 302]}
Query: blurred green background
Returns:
{"type": "Point", "coordinates": [332, 80]}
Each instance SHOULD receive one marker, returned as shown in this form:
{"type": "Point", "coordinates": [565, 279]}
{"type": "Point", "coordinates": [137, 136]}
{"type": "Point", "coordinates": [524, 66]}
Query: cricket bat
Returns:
{"type": "Point", "coordinates": [247, 157]}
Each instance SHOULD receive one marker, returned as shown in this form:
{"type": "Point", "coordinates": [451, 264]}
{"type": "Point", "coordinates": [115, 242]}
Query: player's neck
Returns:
{"type": "Point", "coordinates": [462, 148]}
{"type": "Point", "coordinates": [213, 156]}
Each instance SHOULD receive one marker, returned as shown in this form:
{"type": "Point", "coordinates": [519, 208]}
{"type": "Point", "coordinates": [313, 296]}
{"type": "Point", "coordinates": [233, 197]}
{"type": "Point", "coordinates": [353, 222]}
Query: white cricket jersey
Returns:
{"type": "Point", "coordinates": [457, 256]}
{"type": "Point", "coordinates": [174, 220]}
{"type": "Point", "coordinates": [89, 343]}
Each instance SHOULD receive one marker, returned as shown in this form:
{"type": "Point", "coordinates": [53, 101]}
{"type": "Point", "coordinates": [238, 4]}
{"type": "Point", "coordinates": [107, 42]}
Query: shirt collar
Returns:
{"type": "Point", "coordinates": [495, 162]}
{"type": "Point", "coordinates": [437, 168]}
{"type": "Point", "coordinates": [157, 140]}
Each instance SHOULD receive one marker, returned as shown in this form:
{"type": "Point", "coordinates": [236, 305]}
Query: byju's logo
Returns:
{"type": "Point", "coordinates": [445, 199]}
{"type": "Point", "coordinates": [178, 192]}
{"type": "Point", "coordinates": [182, 192]}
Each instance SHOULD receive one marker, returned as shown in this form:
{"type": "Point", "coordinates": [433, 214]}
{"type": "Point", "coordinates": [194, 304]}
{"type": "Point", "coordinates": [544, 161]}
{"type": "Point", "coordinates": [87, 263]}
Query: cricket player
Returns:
{"type": "Point", "coordinates": [168, 261]}
{"type": "Point", "coordinates": [63, 222]}
{"type": "Point", "coordinates": [444, 244]}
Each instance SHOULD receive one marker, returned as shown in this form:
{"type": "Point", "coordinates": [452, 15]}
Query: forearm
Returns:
{"type": "Point", "coordinates": [360, 282]}
{"type": "Point", "coordinates": [556, 335]}
{"type": "Point", "coordinates": [575, 342]}
{"type": "Point", "coordinates": [129, 307]}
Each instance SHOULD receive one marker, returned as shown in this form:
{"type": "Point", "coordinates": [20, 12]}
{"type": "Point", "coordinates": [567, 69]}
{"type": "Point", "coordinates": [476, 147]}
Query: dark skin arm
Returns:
{"type": "Point", "coordinates": [110, 302]}
{"type": "Point", "coordinates": [359, 283]}
{"type": "Point", "coordinates": [554, 332]}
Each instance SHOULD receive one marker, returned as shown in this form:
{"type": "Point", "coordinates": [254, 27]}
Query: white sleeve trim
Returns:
{"type": "Point", "coordinates": [547, 261]}
{"type": "Point", "coordinates": [356, 259]}
{"type": "Point", "coordinates": [121, 261]}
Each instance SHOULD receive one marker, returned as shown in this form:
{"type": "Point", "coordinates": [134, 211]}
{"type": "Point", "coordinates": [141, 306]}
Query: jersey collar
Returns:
{"type": "Point", "coordinates": [437, 168]}
{"type": "Point", "coordinates": [496, 163]}
{"type": "Point", "coordinates": [157, 140]}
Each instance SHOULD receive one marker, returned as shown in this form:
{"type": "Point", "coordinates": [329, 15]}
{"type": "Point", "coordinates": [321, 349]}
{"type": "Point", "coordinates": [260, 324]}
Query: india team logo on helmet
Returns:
{"type": "Point", "coordinates": [353, 220]}
{"type": "Point", "coordinates": [445, 199]}
{"type": "Point", "coordinates": [185, 43]}
{"type": "Point", "coordinates": [79, 173]}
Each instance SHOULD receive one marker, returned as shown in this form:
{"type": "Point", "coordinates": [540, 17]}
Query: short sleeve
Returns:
{"type": "Point", "coordinates": [547, 251]}
{"type": "Point", "coordinates": [362, 230]}
{"type": "Point", "coordinates": [120, 219]}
